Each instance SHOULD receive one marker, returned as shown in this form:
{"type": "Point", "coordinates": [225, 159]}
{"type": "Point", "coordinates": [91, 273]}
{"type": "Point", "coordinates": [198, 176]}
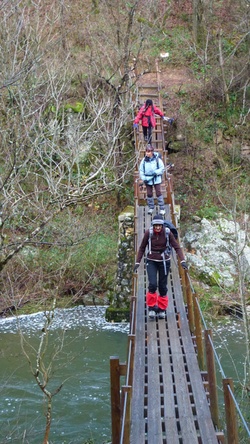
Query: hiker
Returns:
{"type": "Point", "coordinates": [151, 170]}
{"type": "Point", "coordinates": [147, 116]}
{"type": "Point", "coordinates": [159, 240]}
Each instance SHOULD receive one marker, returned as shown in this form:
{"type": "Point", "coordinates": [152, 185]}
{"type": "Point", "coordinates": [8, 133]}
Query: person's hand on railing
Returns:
{"type": "Point", "coordinates": [168, 119]}
{"type": "Point", "coordinates": [135, 126]}
{"type": "Point", "coordinates": [136, 266]}
{"type": "Point", "coordinates": [184, 265]}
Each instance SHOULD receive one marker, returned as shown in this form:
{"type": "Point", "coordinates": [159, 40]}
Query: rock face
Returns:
{"type": "Point", "coordinates": [218, 250]}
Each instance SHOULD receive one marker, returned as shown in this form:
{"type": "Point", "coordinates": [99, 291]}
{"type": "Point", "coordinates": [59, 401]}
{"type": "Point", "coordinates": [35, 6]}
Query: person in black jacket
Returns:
{"type": "Point", "coordinates": [158, 264]}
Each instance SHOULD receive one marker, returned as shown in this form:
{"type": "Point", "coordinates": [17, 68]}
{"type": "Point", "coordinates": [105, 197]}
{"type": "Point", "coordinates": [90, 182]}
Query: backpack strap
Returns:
{"type": "Point", "coordinates": [149, 239]}
{"type": "Point", "coordinates": [168, 246]}
{"type": "Point", "coordinates": [157, 163]}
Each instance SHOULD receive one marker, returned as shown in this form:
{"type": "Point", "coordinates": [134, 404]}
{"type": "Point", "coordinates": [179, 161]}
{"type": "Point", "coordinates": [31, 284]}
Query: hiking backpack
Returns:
{"type": "Point", "coordinates": [168, 227]}
{"type": "Point", "coordinates": [172, 228]}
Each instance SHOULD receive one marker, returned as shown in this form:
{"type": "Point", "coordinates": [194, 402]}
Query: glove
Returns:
{"type": "Point", "coordinates": [168, 120]}
{"type": "Point", "coordinates": [155, 174]}
{"type": "Point", "coordinates": [135, 125]}
{"type": "Point", "coordinates": [184, 265]}
{"type": "Point", "coordinates": [136, 266]}
{"type": "Point", "coordinates": [140, 183]}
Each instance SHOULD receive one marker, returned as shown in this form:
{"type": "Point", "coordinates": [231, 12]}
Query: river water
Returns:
{"type": "Point", "coordinates": [83, 342]}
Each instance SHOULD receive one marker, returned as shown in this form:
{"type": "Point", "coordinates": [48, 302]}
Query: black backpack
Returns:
{"type": "Point", "coordinates": [172, 228]}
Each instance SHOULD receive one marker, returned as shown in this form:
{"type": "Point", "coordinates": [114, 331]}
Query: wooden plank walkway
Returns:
{"type": "Point", "coordinates": [169, 402]}
{"type": "Point", "coordinates": [158, 141]}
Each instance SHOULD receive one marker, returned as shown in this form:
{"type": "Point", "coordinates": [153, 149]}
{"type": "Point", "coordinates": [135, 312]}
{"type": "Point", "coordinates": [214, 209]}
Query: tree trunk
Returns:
{"type": "Point", "coordinates": [225, 88]}
{"type": "Point", "coordinates": [48, 422]}
{"type": "Point", "coordinates": [197, 20]}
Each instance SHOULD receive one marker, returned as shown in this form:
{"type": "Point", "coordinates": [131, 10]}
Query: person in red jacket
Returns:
{"type": "Point", "coordinates": [158, 264]}
{"type": "Point", "coordinates": [146, 115]}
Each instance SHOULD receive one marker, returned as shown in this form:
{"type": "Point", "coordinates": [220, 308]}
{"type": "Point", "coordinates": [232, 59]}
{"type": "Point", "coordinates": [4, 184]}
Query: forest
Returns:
{"type": "Point", "coordinates": [68, 97]}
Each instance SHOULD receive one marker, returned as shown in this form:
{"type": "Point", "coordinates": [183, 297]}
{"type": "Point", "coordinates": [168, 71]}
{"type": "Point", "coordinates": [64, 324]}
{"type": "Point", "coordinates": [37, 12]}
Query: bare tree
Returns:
{"type": "Point", "coordinates": [42, 370]}
{"type": "Point", "coordinates": [223, 61]}
{"type": "Point", "coordinates": [54, 157]}
{"type": "Point", "coordinates": [58, 152]}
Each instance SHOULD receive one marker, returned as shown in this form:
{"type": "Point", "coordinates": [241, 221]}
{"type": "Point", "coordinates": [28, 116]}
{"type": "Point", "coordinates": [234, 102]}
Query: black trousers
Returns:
{"type": "Point", "coordinates": [147, 133]}
{"type": "Point", "coordinates": [157, 276]}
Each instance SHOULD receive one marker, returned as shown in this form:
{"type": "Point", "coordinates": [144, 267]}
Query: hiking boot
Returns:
{"type": "Point", "coordinates": [162, 212]}
{"type": "Point", "coordinates": [151, 314]}
{"type": "Point", "coordinates": [150, 211]}
{"type": "Point", "coordinates": [145, 138]}
{"type": "Point", "coordinates": [161, 314]}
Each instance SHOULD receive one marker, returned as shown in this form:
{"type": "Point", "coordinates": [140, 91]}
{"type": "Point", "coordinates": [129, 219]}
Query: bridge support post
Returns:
{"type": "Point", "coordinates": [198, 333]}
{"type": "Point", "coordinates": [189, 302]}
{"type": "Point", "coordinates": [126, 407]}
{"type": "Point", "coordinates": [231, 417]}
{"type": "Point", "coordinates": [212, 383]}
{"type": "Point", "coordinates": [116, 370]}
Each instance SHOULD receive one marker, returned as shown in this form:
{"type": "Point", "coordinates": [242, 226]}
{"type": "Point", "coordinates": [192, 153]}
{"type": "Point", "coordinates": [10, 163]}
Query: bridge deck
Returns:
{"type": "Point", "coordinates": [169, 401]}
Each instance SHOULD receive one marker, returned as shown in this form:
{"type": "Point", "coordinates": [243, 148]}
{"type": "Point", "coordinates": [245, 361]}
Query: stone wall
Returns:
{"type": "Point", "coordinates": [125, 259]}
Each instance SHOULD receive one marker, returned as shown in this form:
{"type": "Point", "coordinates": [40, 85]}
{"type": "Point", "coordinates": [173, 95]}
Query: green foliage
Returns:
{"type": "Point", "coordinates": [200, 70]}
{"type": "Point", "coordinates": [205, 302]}
{"type": "Point", "coordinates": [211, 280]}
{"type": "Point", "coordinates": [208, 211]}
{"type": "Point", "coordinates": [80, 249]}
{"type": "Point", "coordinates": [182, 93]}
{"type": "Point", "coordinates": [114, 314]}
{"type": "Point", "coordinates": [97, 250]}
{"type": "Point", "coordinates": [79, 107]}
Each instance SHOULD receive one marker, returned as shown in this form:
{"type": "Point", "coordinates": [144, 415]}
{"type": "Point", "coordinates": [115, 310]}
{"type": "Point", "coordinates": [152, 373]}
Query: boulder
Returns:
{"type": "Point", "coordinates": [218, 250]}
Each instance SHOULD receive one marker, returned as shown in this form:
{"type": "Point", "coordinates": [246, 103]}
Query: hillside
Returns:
{"type": "Point", "coordinates": [66, 109]}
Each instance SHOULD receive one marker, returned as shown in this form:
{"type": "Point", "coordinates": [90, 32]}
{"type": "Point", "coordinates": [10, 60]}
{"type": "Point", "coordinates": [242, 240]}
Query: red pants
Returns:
{"type": "Point", "coordinates": [153, 300]}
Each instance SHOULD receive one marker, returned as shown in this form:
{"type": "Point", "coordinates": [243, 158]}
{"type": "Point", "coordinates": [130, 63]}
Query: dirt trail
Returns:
{"type": "Point", "coordinates": [175, 84]}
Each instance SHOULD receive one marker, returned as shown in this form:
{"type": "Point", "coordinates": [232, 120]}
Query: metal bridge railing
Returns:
{"type": "Point", "coordinates": [231, 405]}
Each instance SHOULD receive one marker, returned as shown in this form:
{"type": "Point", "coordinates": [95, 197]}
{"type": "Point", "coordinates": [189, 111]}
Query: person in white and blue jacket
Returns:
{"type": "Point", "coordinates": [151, 170]}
